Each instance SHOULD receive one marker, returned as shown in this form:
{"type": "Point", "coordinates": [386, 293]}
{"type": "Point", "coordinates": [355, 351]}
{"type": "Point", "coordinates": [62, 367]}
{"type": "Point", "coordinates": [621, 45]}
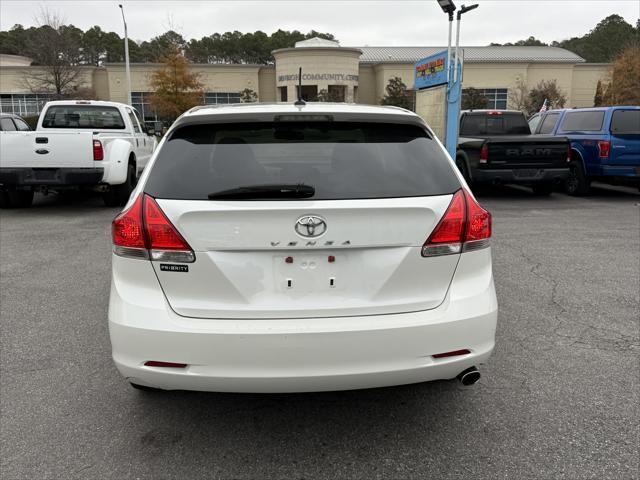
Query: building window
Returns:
{"type": "Point", "coordinates": [140, 101]}
{"type": "Point", "coordinates": [221, 98]}
{"type": "Point", "coordinates": [282, 94]}
{"type": "Point", "coordinates": [24, 104]}
{"type": "Point", "coordinates": [496, 98]}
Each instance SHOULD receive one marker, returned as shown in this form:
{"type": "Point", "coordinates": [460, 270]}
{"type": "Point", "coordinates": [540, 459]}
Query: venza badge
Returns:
{"type": "Point", "coordinates": [310, 226]}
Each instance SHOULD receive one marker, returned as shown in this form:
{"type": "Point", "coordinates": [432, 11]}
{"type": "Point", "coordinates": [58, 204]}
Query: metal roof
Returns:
{"type": "Point", "coordinates": [471, 54]}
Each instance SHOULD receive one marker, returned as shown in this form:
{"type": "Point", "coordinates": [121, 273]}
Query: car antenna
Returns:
{"type": "Point", "coordinates": [300, 102]}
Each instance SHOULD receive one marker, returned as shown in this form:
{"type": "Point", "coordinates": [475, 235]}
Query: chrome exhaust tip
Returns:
{"type": "Point", "coordinates": [469, 376]}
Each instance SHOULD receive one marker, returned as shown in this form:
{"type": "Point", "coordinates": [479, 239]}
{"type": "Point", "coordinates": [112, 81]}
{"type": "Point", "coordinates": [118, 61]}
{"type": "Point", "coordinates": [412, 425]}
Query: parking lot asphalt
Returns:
{"type": "Point", "coordinates": [558, 399]}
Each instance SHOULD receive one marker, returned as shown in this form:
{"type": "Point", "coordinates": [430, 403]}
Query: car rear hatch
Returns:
{"type": "Point", "coordinates": [303, 219]}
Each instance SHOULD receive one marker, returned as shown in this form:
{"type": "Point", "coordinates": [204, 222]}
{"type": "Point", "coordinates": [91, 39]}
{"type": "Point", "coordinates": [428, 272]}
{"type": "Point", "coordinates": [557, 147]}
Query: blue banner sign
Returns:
{"type": "Point", "coordinates": [431, 71]}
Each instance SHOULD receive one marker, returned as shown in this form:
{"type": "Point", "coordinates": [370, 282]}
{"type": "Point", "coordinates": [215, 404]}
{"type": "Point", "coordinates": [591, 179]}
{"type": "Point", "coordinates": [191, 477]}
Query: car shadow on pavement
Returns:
{"type": "Point", "coordinates": [306, 427]}
{"type": "Point", "coordinates": [70, 199]}
{"type": "Point", "coordinates": [516, 192]}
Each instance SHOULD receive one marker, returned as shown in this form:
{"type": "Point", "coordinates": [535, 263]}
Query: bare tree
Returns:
{"type": "Point", "coordinates": [55, 49]}
{"type": "Point", "coordinates": [519, 96]}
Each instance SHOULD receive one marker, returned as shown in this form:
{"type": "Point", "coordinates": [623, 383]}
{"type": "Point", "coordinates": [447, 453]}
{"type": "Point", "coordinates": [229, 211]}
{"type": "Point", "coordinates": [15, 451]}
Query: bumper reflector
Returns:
{"type": "Point", "coordinates": [455, 353]}
{"type": "Point", "coordinates": [154, 363]}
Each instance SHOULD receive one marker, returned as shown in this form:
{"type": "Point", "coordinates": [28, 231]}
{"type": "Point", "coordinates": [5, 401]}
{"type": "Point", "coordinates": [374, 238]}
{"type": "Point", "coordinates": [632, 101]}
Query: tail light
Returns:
{"type": "Point", "coordinates": [143, 231]}
{"type": "Point", "coordinates": [569, 153]}
{"type": "Point", "coordinates": [465, 226]}
{"type": "Point", "coordinates": [98, 151]}
{"type": "Point", "coordinates": [604, 148]}
{"type": "Point", "coordinates": [484, 153]}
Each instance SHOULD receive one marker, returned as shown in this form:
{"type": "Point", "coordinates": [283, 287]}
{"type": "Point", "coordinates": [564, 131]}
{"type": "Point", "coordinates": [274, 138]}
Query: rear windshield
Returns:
{"type": "Point", "coordinates": [338, 160]}
{"type": "Point", "coordinates": [549, 123]}
{"type": "Point", "coordinates": [625, 122]}
{"type": "Point", "coordinates": [583, 121]}
{"type": "Point", "coordinates": [494, 124]}
{"type": "Point", "coordinates": [83, 116]}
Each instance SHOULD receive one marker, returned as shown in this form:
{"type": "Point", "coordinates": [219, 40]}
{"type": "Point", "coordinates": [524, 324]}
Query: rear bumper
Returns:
{"type": "Point", "coordinates": [296, 355]}
{"type": "Point", "coordinates": [631, 172]}
{"type": "Point", "coordinates": [529, 175]}
{"type": "Point", "coordinates": [50, 176]}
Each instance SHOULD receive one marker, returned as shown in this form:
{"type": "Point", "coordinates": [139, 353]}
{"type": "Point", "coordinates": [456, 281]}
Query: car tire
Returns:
{"type": "Point", "coordinates": [118, 195]}
{"type": "Point", "coordinates": [542, 189]}
{"type": "Point", "coordinates": [577, 184]}
{"type": "Point", "coordinates": [144, 388]}
{"type": "Point", "coordinates": [464, 170]}
{"type": "Point", "coordinates": [16, 198]}
{"type": "Point", "coordinates": [4, 199]}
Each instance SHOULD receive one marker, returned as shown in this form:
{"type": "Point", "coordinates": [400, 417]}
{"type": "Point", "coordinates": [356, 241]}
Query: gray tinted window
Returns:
{"type": "Point", "coordinates": [549, 123]}
{"type": "Point", "coordinates": [533, 123]}
{"type": "Point", "coordinates": [134, 121]}
{"type": "Point", "coordinates": [339, 160]}
{"type": "Point", "coordinates": [625, 122]}
{"type": "Point", "coordinates": [21, 125]}
{"type": "Point", "coordinates": [83, 116]}
{"type": "Point", "coordinates": [6, 125]}
{"type": "Point", "coordinates": [583, 121]}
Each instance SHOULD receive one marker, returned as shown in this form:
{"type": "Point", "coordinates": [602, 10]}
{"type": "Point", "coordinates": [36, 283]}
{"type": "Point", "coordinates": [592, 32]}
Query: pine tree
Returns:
{"type": "Point", "coordinates": [473, 98]}
{"type": "Point", "coordinates": [397, 94]}
{"type": "Point", "coordinates": [248, 96]}
{"type": "Point", "coordinates": [598, 99]}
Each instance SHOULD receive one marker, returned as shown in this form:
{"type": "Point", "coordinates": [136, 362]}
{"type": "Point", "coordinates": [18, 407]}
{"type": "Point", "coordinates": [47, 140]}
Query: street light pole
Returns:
{"type": "Point", "coordinates": [464, 9]}
{"type": "Point", "coordinates": [448, 7]}
{"type": "Point", "coordinates": [454, 84]}
{"type": "Point", "coordinates": [449, 45]}
{"type": "Point", "coordinates": [126, 56]}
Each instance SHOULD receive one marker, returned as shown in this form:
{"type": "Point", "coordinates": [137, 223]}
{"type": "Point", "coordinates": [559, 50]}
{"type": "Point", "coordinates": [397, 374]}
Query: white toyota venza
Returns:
{"type": "Point", "coordinates": [284, 248]}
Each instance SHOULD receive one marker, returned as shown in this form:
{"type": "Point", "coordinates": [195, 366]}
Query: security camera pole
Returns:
{"type": "Point", "coordinates": [126, 56]}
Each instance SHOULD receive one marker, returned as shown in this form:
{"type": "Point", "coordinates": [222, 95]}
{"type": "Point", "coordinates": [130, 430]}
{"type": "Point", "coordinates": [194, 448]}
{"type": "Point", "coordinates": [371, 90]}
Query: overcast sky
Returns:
{"type": "Point", "coordinates": [356, 23]}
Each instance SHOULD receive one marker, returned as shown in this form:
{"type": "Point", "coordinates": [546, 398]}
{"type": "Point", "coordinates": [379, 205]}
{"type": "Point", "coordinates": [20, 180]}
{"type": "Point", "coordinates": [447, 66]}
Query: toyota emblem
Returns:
{"type": "Point", "coordinates": [310, 226]}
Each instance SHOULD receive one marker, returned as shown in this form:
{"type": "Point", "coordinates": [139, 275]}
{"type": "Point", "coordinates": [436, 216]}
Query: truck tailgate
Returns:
{"type": "Point", "coordinates": [527, 152]}
{"type": "Point", "coordinates": [46, 150]}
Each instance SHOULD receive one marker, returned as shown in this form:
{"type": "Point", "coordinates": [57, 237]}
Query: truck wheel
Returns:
{"type": "Point", "coordinates": [542, 189]}
{"type": "Point", "coordinates": [118, 195]}
{"type": "Point", "coordinates": [462, 166]}
{"type": "Point", "coordinates": [16, 198]}
{"type": "Point", "coordinates": [4, 199]}
{"type": "Point", "coordinates": [577, 184]}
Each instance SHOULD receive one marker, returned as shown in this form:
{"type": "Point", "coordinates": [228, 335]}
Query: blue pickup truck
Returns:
{"type": "Point", "coordinates": [605, 144]}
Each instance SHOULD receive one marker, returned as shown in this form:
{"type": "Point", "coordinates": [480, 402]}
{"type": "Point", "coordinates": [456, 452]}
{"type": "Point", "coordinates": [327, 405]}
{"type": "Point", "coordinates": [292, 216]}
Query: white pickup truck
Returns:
{"type": "Point", "coordinates": [77, 144]}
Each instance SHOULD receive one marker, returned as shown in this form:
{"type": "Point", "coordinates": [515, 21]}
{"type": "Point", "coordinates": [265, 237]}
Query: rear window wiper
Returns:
{"type": "Point", "coordinates": [266, 191]}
